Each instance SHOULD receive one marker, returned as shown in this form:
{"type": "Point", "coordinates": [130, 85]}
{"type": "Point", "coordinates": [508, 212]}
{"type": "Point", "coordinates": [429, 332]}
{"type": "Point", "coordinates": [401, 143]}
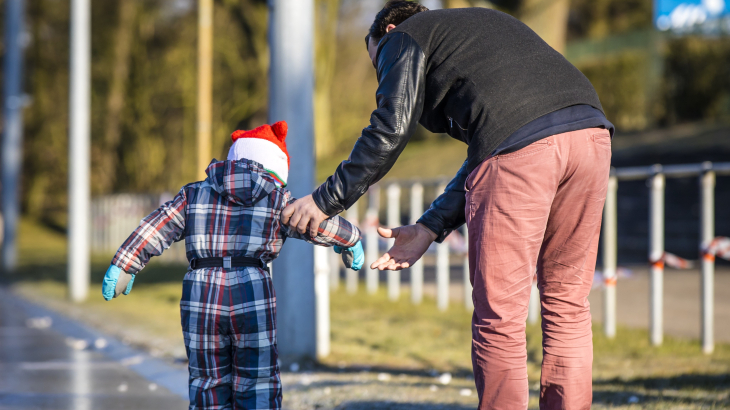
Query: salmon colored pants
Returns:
{"type": "Point", "coordinates": [536, 209]}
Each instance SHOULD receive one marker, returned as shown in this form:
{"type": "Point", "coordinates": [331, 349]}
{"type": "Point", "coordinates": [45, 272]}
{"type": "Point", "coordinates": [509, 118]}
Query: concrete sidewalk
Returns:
{"type": "Point", "coordinates": [50, 362]}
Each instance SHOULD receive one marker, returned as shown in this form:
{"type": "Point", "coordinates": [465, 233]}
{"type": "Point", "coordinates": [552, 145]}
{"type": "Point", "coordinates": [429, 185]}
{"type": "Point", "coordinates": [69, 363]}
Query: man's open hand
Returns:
{"type": "Point", "coordinates": [411, 242]}
{"type": "Point", "coordinates": [302, 213]}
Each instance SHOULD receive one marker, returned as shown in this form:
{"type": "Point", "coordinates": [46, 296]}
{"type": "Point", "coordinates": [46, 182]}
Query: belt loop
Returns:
{"type": "Point", "coordinates": [226, 262]}
{"type": "Point", "coordinates": [193, 262]}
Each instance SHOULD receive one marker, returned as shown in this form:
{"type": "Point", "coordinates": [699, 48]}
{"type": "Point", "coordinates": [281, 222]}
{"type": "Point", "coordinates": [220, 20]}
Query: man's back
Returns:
{"type": "Point", "coordinates": [488, 74]}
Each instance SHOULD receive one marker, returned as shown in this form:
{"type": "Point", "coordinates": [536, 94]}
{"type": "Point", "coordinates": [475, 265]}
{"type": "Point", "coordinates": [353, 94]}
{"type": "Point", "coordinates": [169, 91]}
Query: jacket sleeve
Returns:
{"type": "Point", "coordinates": [400, 95]}
{"type": "Point", "coordinates": [447, 212]}
{"type": "Point", "coordinates": [334, 231]}
{"type": "Point", "coordinates": [155, 234]}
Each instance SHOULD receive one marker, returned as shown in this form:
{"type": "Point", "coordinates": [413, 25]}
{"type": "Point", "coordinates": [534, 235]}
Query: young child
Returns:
{"type": "Point", "coordinates": [230, 223]}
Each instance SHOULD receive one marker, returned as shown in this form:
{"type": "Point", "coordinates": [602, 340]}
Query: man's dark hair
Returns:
{"type": "Point", "coordinates": [394, 12]}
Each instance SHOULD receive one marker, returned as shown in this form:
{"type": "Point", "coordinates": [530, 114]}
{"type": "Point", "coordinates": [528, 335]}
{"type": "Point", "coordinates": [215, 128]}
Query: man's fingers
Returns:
{"type": "Point", "coordinates": [314, 227]}
{"type": "Point", "coordinates": [294, 221]}
{"type": "Point", "coordinates": [393, 265]}
{"type": "Point", "coordinates": [388, 233]}
{"type": "Point", "coordinates": [287, 213]}
{"type": "Point", "coordinates": [381, 260]}
{"type": "Point", "coordinates": [302, 224]}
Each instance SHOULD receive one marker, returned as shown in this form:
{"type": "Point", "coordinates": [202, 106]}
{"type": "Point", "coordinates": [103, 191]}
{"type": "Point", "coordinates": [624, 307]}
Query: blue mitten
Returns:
{"type": "Point", "coordinates": [116, 282]}
{"type": "Point", "coordinates": [353, 257]}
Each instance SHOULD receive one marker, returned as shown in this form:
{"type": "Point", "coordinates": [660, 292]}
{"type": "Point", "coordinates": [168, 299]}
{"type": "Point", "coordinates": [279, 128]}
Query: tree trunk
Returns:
{"type": "Point", "coordinates": [548, 18]}
{"type": "Point", "coordinates": [326, 12]}
{"type": "Point", "coordinates": [115, 101]}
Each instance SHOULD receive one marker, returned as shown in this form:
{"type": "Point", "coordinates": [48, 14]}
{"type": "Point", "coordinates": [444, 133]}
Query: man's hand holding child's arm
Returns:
{"type": "Point", "coordinates": [335, 231]}
{"type": "Point", "coordinates": [303, 214]}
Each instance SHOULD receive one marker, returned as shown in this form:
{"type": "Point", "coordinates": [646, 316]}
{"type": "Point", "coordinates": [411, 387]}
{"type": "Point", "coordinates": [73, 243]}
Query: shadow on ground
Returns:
{"type": "Point", "coordinates": [387, 405]}
{"type": "Point", "coordinates": [691, 390]}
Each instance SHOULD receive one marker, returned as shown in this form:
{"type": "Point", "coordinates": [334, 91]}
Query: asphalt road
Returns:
{"type": "Point", "coordinates": [42, 369]}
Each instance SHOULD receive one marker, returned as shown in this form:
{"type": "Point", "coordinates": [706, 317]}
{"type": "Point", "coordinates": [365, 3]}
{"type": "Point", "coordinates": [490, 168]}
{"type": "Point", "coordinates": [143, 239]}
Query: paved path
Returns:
{"type": "Point", "coordinates": [681, 299]}
{"type": "Point", "coordinates": [42, 369]}
{"type": "Point", "coordinates": [681, 302]}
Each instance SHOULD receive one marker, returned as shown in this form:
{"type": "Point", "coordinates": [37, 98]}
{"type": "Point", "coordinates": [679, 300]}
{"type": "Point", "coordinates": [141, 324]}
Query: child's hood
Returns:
{"type": "Point", "coordinates": [244, 182]}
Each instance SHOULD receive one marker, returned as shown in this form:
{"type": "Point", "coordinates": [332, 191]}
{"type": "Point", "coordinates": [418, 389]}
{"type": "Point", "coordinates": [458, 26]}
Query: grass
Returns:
{"type": "Point", "coordinates": [369, 330]}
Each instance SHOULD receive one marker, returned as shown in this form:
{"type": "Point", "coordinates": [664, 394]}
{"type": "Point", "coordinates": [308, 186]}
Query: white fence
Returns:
{"type": "Point", "coordinates": [115, 216]}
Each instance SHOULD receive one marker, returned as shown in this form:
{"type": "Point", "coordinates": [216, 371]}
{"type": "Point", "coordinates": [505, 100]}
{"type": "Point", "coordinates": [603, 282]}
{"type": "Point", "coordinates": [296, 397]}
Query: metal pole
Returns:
{"type": "Point", "coordinates": [610, 245]}
{"type": "Point", "coordinates": [372, 253]}
{"type": "Point", "coordinates": [442, 276]}
{"type": "Point", "coordinates": [417, 268]}
{"type": "Point", "coordinates": [707, 234]}
{"type": "Point", "coordinates": [13, 136]}
{"type": "Point", "coordinates": [351, 276]}
{"type": "Point", "coordinates": [205, 83]}
{"type": "Point", "coordinates": [656, 254]}
{"type": "Point", "coordinates": [334, 270]}
{"type": "Point", "coordinates": [322, 296]}
{"type": "Point", "coordinates": [393, 222]}
{"type": "Point", "coordinates": [533, 305]}
{"type": "Point", "coordinates": [468, 301]}
{"type": "Point", "coordinates": [291, 83]}
{"type": "Point", "coordinates": [442, 270]}
{"type": "Point", "coordinates": [79, 160]}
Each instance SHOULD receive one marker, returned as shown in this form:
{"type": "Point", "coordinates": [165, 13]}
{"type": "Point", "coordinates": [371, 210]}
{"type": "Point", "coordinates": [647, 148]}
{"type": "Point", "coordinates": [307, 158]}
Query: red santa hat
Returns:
{"type": "Point", "coordinates": [265, 145]}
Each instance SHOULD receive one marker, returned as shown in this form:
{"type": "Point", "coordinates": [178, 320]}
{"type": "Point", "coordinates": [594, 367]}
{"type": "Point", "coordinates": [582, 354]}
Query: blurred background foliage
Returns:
{"type": "Point", "coordinates": [144, 82]}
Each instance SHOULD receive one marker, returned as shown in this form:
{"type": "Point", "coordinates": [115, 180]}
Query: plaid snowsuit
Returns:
{"type": "Point", "coordinates": [228, 315]}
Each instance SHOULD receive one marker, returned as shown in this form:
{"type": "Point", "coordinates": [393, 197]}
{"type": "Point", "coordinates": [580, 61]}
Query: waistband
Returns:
{"type": "Point", "coordinates": [228, 262]}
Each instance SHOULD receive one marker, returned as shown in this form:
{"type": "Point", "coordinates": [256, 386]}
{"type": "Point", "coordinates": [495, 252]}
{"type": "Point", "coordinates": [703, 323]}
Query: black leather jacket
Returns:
{"type": "Point", "coordinates": [478, 75]}
{"type": "Point", "coordinates": [400, 94]}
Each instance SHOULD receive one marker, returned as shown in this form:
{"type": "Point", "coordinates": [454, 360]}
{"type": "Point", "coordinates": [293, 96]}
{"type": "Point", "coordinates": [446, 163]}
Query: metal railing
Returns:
{"type": "Point", "coordinates": [656, 177]}
{"type": "Point", "coordinates": [115, 216]}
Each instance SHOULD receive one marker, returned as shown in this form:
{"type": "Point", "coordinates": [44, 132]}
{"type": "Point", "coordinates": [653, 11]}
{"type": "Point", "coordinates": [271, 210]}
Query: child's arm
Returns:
{"type": "Point", "coordinates": [156, 232]}
{"type": "Point", "coordinates": [335, 231]}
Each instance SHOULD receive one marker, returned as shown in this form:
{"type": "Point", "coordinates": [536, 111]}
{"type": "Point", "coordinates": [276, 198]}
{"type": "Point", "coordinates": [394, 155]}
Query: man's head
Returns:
{"type": "Point", "coordinates": [394, 13]}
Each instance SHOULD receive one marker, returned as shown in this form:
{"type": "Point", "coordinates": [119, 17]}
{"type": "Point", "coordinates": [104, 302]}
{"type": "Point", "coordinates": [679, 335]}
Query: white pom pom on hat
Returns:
{"type": "Point", "coordinates": [265, 145]}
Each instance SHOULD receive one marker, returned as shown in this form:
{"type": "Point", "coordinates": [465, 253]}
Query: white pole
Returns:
{"type": "Point", "coordinates": [393, 222]}
{"type": "Point", "coordinates": [417, 268]}
{"type": "Point", "coordinates": [351, 276]}
{"type": "Point", "coordinates": [533, 306]}
{"type": "Point", "coordinates": [442, 270]}
{"type": "Point", "coordinates": [205, 85]}
{"type": "Point", "coordinates": [707, 234]}
{"type": "Point", "coordinates": [334, 269]}
{"type": "Point", "coordinates": [12, 148]}
{"type": "Point", "coordinates": [322, 296]}
{"type": "Point", "coordinates": [291, 84]}
{"type": "Point", "coordinates": [656, 253]}
{"type": "Point", "coordinates": [79, 160]}
{"type": "Point", "coordinates": [371, 239]}
{"type": "Point", "coordinates": [610, 244]}
{"type": "Point", "coordinates": [468, 301]}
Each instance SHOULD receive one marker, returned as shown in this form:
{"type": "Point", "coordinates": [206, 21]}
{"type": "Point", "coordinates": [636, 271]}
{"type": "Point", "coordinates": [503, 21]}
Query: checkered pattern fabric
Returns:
{"type": "Point", "coordinates": [228, 315]}
{"type": "Point", "coordinates": [229, 326]}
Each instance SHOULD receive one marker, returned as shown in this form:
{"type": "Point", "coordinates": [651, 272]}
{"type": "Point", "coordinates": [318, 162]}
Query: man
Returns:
{"type": "Point", "coordinates": [531, 189]}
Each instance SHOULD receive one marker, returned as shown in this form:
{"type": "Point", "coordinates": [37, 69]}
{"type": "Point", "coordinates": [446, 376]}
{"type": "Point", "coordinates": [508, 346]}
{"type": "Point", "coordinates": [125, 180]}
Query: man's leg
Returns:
{"type": "Point", "coordinates": [508, 204]}
{"type": "Point", "coordinates": [566, 266]}
{"type": "Point", "coordinates": [256, 378]}
{"type": "Point", "coordinates": [207, 340]}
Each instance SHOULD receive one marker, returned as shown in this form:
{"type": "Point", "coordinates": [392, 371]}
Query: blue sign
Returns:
{"type": "Point", "coordinates": [692, 15]}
